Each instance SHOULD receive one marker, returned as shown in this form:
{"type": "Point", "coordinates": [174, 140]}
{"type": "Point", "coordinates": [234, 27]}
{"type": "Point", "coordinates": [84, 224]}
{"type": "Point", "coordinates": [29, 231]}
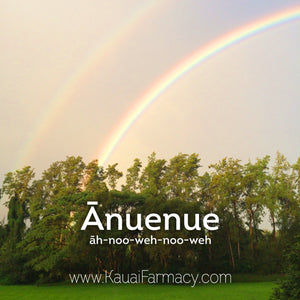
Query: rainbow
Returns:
{"type": "Point", "coordinates": [80, 75]}
{"type": "Point", "coordinates": [168, 79]}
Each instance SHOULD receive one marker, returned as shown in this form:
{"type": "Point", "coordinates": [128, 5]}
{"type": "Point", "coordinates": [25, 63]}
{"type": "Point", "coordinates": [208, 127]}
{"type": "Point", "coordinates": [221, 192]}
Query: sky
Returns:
{"type": "Point", "coordinates": [70, 70]}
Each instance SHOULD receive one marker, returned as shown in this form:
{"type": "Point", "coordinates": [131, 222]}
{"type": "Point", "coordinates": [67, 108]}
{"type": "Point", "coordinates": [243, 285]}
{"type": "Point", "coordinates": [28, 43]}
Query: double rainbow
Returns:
{"type": "Point", "coordinates": [159, 87]}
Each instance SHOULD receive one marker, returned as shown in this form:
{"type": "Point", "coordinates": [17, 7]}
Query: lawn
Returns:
{"type": "Point", "coordinates": [244, 291]}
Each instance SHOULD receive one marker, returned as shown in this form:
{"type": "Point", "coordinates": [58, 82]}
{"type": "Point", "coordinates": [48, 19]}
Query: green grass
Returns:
{"type": "Point", "coordinates": [244, 291]}
{"type": "Point", "coordinates": [256, 277]}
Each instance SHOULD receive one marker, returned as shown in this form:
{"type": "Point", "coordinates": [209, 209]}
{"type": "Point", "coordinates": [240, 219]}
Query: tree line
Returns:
{"type": "Point", "coordinates": [41, 240]}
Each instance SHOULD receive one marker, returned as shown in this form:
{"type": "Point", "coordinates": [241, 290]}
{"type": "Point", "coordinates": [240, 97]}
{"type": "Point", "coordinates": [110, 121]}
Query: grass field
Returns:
{"type": "Point", "coordinates": [244, 291]}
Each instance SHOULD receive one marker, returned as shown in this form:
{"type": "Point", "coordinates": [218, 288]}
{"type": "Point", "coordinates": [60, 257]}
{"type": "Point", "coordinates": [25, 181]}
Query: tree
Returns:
{"type": "Point", "coordinates": [289, 289]}
{"type": "Point", "coordinates": [94, 176]}
{"type": "Point", "coordinates": [280, 194]}
{"type": "Point", "coordinates": [51, 245]}
{"type": "Point", "coordinates": [17, 187]}
{"type": "Point", "coordinates": [133, 176]}
{"type": "Point", "coordinates": [152, 176]}
{"type": "Point", "coordinates": [181, 177]}
{"type": "Point", "coordinates": [113, 175]}
{"type": "Point", "coordinates": [255, 180]}
{"type": "Point", "coordinates": [227, 191]}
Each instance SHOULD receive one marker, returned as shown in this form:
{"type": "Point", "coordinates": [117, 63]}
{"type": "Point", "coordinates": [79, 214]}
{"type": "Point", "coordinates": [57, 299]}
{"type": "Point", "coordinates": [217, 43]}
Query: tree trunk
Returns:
{"type": "Point", "coordinates": [250, 231]}
{"type": "Point", "coordinates": [274, 228]}
{"type": "Point", "coordinates": [238, 230]}
{"type": "Point", "coordinates": [230, 251]}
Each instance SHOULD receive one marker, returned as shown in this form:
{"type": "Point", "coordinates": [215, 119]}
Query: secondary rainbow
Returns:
{"type": "Point", "coordinates": [80, 75]}
{"type": "Point", "coordinates": [168, 79]}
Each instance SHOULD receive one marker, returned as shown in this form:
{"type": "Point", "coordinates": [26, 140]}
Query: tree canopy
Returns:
{"type": "Point", "coordinates": [42, 240]}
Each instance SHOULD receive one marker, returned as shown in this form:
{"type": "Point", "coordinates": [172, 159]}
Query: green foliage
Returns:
{"type": "Point", "coordinates": [289, 287]}
{"type": "Point", "coordinates": [113, 175]}
{"type": "Point", "coordinates": [151, 180]}
{"type": "Point", "coordinates": [133, 176]}
{"type": "Point", "coordinates": [42, 240]}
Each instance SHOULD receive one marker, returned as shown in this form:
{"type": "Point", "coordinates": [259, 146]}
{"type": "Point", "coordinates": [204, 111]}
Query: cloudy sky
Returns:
{"type": "Point", "coordinates": [71, 69]}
